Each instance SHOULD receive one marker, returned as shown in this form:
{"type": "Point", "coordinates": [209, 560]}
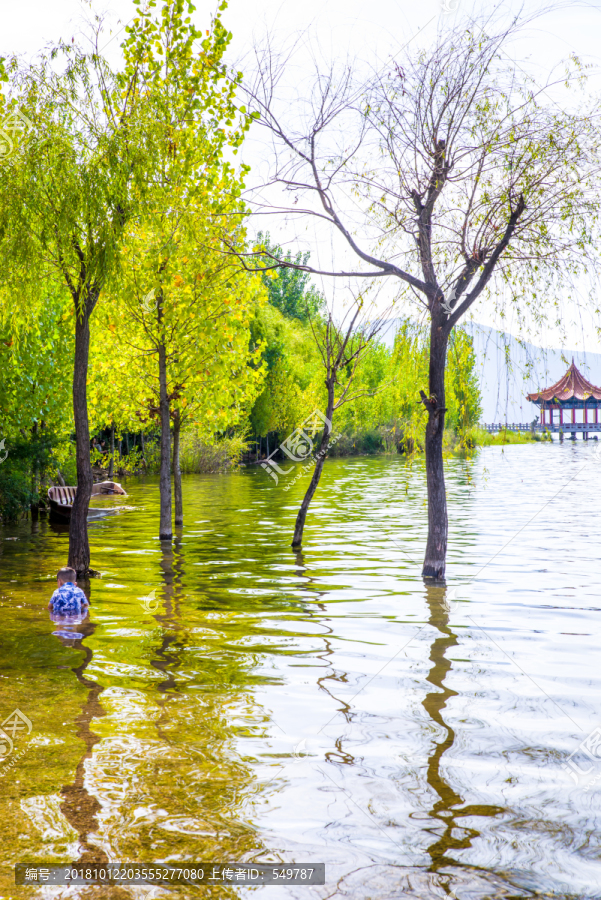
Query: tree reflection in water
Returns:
{"type": "Point", "coordinates": [448, 811]}
{"type": "Point", "coordinates": [185, 792]}
{"type": "Point", "coordinates": [79, 807]}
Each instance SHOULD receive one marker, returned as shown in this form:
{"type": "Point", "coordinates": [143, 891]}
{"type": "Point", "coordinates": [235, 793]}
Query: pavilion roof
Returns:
{"type": "Point", "coordinates": [573, 385]}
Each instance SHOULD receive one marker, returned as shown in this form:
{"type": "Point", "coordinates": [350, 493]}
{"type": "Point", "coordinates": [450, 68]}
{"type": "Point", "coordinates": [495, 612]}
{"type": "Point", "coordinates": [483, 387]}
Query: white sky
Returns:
{"type": "Point", "coordinates": [343, 28]}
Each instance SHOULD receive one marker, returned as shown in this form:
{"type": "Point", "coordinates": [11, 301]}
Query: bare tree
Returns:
{"type": "Point", "coordinates": [451, 172]}
{"type": "Point", "coordinates": [342, 347]}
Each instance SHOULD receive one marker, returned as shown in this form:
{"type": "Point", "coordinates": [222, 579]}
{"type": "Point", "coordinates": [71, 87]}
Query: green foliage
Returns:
{"type": "Point", "coordinates": [15, 493]}
{"type": "Point", "coordinates": [27, 461]}
{"type": "Point", "coordinates": [463, 397]}
{"type": "Point", "coordinates": [365, 443]}
{"type": "Point", "coordinates": [386, 412]}
{"type": "Point", "coordinates": [293, 386]}
{"type": "Point", "coordinates": [36, 357]}
{"type": "Point", "coordinates": [389, 382]}
{"type": "Point", "coordinates": [199, 456]}
{"type": "Point", "coordinates": [289, 289]}
{"type": "Point", "coordinates": [481, 437]}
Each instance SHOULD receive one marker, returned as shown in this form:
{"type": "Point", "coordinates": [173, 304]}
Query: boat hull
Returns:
{"type": "Point", "coordinates": [59, 512]}
{"type": "Point", "coordinates": [60, 499]}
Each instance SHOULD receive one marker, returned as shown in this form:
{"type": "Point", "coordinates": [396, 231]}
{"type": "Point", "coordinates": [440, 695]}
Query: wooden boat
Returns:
{"type": "Point", "coordinates": [60, 499]}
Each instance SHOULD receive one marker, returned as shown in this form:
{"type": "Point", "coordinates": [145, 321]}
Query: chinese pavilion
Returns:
{"type": "Point", "coordinates": [571, 393]}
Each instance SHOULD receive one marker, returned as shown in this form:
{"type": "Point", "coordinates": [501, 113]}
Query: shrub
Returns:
{"type": "Point", "coordinates": [199, 456]}
{"type": "Point", "coordinates": [365, 443]}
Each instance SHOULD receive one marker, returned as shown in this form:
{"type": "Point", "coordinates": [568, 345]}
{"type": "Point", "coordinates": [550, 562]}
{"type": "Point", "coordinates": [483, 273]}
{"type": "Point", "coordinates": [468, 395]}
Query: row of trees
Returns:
{"type": "Point", "coordinates": [123, 238]}
{"type": "Point", "coordinates": [210, 393]}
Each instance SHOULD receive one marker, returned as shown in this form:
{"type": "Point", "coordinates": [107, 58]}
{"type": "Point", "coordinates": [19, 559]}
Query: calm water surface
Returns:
{"type": "Point", "coordinates": [261, 705]}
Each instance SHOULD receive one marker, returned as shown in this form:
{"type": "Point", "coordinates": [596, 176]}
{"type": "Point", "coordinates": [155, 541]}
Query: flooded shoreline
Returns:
{"type": "Point", "coordinates": [320, 706]}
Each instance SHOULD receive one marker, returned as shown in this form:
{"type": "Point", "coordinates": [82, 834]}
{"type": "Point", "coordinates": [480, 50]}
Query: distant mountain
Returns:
{"type": "Point", "coordinates": [508, 370]}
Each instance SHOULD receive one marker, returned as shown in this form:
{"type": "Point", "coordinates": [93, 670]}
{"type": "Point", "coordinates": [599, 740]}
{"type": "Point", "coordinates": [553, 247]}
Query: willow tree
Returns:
{"type": "Point", "coordinates": [62, 208]}
{"type": "Point", "coordinates": [454, 174]}
{"type": "Point", "coordinates": [92, 164]}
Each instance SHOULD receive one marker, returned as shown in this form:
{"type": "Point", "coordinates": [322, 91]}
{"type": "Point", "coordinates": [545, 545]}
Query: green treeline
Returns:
{"type": "Point", "coordinates": [387, 414]}
{"type": "Point", "coordinates": [283, 385]}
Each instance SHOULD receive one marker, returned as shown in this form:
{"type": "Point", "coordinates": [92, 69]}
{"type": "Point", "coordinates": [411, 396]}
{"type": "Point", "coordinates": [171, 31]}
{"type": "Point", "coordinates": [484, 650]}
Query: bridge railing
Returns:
{"type": "Point", "coordinates": [566, 427]}
{"type": "Point", "coordinates": [510, 426]}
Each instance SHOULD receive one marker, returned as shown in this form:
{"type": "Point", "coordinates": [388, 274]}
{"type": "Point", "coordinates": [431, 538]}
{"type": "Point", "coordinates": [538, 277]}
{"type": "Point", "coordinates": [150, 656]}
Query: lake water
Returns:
{"type": "Point", "coordinates": [231, 700]}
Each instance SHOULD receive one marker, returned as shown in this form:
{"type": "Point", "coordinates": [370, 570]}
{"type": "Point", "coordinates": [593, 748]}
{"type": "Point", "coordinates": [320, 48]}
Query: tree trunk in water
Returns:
{"type": "Point", "coordinates": [112, 459]}
{"type": "Point", "coordinates": [165, 527]}
{"type": "Point", "coordinates": [177, 474]}
{"type": "Point", "coordinates": [436, 548]}
{"type": "Point", "coordinates": [321, 457]}
{"type": "Point", "coordinates": [35, 479]}
{"type": "Point", "coordinates": [79, 547]}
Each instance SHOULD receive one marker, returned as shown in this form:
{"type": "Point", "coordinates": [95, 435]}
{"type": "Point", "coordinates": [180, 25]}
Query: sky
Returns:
{"type": "Point", "coordinates": [342, 28]}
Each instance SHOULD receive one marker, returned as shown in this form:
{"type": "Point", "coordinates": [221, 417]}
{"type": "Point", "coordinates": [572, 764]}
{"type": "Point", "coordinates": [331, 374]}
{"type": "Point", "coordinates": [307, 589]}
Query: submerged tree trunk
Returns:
{"type": "Point", "coordinates": [165, 527]}
{"type": "Point", "coordinates": [79, 547]}
{"type": "Point", "coordinates": [177, 473]}
{"type": "Point", "coordinates": [319, 463]}
{"type": "Point", "coordinates": [112, 451]}
{"type": "Point", "coordinates": [436, 547]}
{"type": "Point", "coordinates": [35, 478]}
